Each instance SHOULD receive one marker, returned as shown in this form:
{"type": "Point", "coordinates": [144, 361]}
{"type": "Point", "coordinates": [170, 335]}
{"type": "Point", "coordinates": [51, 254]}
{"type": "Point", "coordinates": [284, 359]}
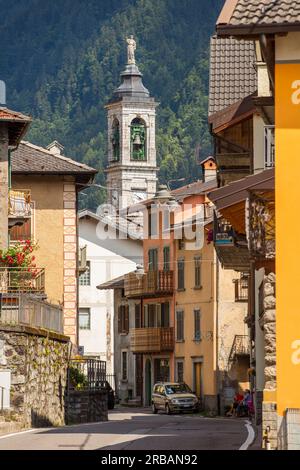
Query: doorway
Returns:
{"type": "Point", "coordinates": [148, 388]}
{"type": "Point", "coordinates": [197, 379]}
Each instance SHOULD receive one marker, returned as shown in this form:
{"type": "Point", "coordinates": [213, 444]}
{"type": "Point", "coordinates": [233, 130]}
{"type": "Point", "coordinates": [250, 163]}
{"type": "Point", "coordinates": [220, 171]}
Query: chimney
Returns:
{"type": "Point", "coordinates": [56, 148]}
{"type": "Point", "coordinates": [209, 169]}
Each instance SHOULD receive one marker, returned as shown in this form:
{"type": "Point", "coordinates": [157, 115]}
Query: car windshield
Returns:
{"type": "Point", "coordinates": [177, 388]}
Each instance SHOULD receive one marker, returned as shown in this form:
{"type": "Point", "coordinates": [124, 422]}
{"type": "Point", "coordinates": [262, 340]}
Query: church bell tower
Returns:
{"type": "Point", "coordinates": [132, 170]}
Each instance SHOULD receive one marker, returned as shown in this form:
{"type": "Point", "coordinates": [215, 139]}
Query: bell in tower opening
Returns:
{"type": "Point", "coordinates": [138, 140]}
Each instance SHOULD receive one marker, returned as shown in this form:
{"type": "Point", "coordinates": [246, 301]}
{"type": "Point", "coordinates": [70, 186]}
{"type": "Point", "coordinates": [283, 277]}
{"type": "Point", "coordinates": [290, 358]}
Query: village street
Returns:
{"type": "Point", "coordinates": [138, 429]}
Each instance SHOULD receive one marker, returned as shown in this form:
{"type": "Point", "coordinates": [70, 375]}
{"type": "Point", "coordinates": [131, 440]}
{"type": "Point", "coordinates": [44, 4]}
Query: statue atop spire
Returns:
{"type": "Point", "coordinates": [131, 47]}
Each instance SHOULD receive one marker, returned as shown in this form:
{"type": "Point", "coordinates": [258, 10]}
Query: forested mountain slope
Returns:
{"type": "Point", "coordinates": [61, 61]}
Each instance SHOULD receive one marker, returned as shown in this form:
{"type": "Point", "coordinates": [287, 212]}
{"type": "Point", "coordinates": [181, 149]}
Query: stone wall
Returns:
{"type": "Point", "coordinates": [268, 322]}
{"type": "Point", "coordinates": [87, 406]}
{"type": "Point", "coordinates": [37, 360]}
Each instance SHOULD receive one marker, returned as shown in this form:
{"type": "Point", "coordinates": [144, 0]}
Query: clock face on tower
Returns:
{"type": "Point", "coordinates": [138, 196]}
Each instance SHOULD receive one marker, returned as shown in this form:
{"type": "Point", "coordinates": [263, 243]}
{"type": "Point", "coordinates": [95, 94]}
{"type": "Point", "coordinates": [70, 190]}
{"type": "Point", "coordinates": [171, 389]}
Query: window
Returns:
{"type": "Point", "coordinates": [123, 319]}
{"type": "Point", "coordinates": [124, 365]}
{"type": "Point", "coordinates": [152, 222]}
{"type": "Point", "coordinates": [137, 313]}
{"type": "Point", "coordinates": [197, 327]}
{"type": "Point", "coordinates": [161, 370]}
{"type": "Point", "coordinates": [197, 260]}
{"type": "Point", "coordinates": [241, 288]}
{"type": "Point", "coordinates": [153, 315]}
{"type": "Point", "coordinates": [181, 244]}
{"type": "Point", "coordinates": [165, 219]}
{"type": "Point", "coordinates": [165, 315]}
{"type": "Point", "coordinates": [180, 273]}
{"type": "Point", "coordinates": [179, 325]}
{"type": "Point", "coordinates": [85, 277]}
{"type": "Point", "coordinates": [115, 140]}
{"type": "Point", "coordinates": [180, 371]}
{"type": "Point", "coordinates": [153, 261]}
{"type": "Point", "coordinates": [166, 258]}
{"type": "Point", "coordinates": [84, 319]}
{"type": "Point", "coordinates": [138, 140]}
{"type": "Point", "coordinates": [25, 231]}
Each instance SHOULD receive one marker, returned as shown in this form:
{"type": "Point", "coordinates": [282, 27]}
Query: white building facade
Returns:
{"type": "Point", "coordinates": [106, 259]}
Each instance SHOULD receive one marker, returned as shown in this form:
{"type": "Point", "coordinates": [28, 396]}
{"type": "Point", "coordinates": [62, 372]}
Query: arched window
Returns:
{"type": "Point", "coordinates": [115, 140]}
{"type": "Point", "coordinates": [138, 140]}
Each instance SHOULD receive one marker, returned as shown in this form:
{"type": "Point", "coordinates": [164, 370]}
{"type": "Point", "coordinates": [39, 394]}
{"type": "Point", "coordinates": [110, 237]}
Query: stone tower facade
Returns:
{"type": "Point", "coordinates": [132, 170]}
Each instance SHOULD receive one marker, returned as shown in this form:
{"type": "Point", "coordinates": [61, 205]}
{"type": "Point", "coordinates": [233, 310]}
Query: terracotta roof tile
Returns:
{"type": "Point", "coordinates": [257, 13]}
{"type": "Point", "coordinates": [232, 72]}
{"type": "Point", "coordinates": [29, 158]}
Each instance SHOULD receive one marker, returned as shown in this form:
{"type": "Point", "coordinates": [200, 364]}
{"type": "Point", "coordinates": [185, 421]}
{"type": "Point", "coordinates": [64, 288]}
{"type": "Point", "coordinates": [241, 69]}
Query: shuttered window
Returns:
{"type": "Point", "coordinates": [165, 315]}
{"type": "Point", "coordinates": [197, 326]}
{"type": "Point", "coordinates": [180, 325]}
{"type": "Point", "coordinates": [123, 319]}
{"type": "Point", "coordinates": [180, 371]}
{"type": "Point", "coordinates": [180, 273]}
{"type": "Point", "coordinates": [124, 365]}
{"type": "Point", "coordinates": [152, 259]}
{"type": "Point", "coordinates": [197, 261]}
{"type": "Point", "coordinates": [166, 258]}
{"type": "Point", "coordinates": [137, 311]}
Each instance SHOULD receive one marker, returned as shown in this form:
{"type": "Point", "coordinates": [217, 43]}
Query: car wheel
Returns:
{"type": "Point", "coordinates": [154, 409]}
{"type": "Point", "coordinates": [168, 411]}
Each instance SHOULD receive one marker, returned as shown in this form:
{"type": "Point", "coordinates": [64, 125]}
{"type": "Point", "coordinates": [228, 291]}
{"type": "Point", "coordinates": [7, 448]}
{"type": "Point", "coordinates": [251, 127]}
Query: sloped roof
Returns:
{"type": "Point", "coordinates": [17, 124]}
{"type": "Point", "coordinates": [254, 16]}
{"type": "Point", "coordinates": [232, 73]}
{"type": "Point", "coordinates": [117, 283]}
{"type": "Point", "coordinates": [117, 222]}
{"type": "Point", "coordinates": [31, 159]}
{"type": "Point", "coordinates": [237, 191]}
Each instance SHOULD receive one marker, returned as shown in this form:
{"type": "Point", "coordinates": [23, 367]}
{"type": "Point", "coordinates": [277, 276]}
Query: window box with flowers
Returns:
{"type": "Point", "coordinates": [18, 272]}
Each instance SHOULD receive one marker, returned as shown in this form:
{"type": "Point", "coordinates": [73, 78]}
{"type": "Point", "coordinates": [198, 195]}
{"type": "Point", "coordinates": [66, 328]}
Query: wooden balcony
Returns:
{"type": "Point", "coordinates": [150, 284]}
{"type": "Point", "coordinates": [19, 207]}
{"type": "Point", "coordinates": [152, 340]}
{"type": "Point", "coordinates": [22, 280]}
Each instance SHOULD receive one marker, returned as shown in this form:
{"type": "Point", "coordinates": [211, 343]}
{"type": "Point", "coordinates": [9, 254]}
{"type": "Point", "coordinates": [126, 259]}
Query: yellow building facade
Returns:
{"type": "Point", "coordinates": [195, 358]}
{"type": "Point", "coordinates": [53, 182]}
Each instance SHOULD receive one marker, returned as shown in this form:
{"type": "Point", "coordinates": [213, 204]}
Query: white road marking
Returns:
{"type": "Point", "coordinates": [19, 433]}
{"type": "Point", "coordinates": [250, 437]}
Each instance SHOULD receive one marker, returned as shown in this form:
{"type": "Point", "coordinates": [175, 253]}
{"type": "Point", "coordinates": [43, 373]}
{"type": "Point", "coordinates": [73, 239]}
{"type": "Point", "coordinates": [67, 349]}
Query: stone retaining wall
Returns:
{"type": "Point", "coordinates": [86, 406]}
{"type": "Point", "coordinates": [38, 361]}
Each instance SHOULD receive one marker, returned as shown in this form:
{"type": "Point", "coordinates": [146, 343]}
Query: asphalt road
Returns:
{"type": "Point", "coordinates": [132, 429]}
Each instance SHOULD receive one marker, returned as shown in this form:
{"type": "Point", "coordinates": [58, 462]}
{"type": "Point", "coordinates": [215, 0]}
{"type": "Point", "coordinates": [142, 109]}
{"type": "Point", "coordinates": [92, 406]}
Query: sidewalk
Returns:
{"type": "Point", "coordinates": [257, 443]}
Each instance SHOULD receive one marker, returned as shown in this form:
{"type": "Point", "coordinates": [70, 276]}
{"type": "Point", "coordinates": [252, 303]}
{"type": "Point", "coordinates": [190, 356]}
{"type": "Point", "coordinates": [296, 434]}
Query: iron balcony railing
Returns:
{"type": "Point", "coordinates": [30, 280]}
{"type": "Point", "coordinates": [19, 205]}
{"type": "Point", "coordinates": [152, 283]}
{"type": "Point", "coordinates": [269, 146]}
{"type": "Point", "coordinates": [240, 347]}
{"type": "Point", "coordinates": [87, 374]}
{"type": "Point", "coordinates": [23, 309]}
{"type": "Point", "coordinates": [148, 340]}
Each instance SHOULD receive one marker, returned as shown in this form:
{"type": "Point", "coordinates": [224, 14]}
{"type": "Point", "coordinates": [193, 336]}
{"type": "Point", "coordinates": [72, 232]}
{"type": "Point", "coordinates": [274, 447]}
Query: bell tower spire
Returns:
{"type": "Point", "coordinates": [132, 170]}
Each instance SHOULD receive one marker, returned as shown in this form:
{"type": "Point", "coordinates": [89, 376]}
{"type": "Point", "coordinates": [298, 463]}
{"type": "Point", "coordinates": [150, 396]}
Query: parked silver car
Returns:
{"type": "Point", "coordinates": [171, 397]}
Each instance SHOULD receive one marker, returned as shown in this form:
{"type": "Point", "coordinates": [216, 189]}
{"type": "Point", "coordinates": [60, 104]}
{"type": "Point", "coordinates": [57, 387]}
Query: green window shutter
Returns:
{"type": "Point", "coordinates": [180, 325]}
{"type": "Point", "coordinates": [180, 272]}
{"type": "Point", "coordinates": [166, 258]}
{"type": "Point", "coordinates": [197, 327]}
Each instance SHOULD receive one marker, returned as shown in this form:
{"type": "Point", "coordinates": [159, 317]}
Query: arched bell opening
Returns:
{"type": "Point", "coordinates": [138, 140]}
